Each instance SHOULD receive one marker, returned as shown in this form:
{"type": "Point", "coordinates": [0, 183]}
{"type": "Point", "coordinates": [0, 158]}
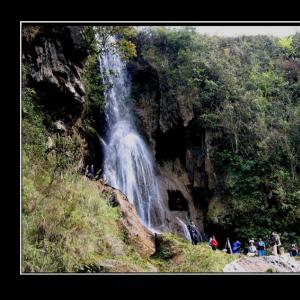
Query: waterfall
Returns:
{"type": "Point", "coordinates": [186, 232]}
{"type": "Point", "coordinates": [128, 162]}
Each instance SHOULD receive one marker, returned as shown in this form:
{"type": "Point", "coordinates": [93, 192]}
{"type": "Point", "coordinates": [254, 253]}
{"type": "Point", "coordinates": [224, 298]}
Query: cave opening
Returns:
{"type": "Point", "coordinates": [177, 201]}
{"type": "Point", "coordinates": [220, 233]}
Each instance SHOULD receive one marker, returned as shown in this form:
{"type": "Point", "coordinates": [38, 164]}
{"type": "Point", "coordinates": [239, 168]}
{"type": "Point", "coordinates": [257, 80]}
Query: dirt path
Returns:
{"type": "Point", "coordinates": [280, 263]}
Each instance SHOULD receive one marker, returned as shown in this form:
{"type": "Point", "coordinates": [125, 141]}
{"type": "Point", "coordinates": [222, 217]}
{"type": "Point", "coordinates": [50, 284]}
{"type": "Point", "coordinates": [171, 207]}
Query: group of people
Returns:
{"type": "Point", "coordinates": [258, 249]}
{"type": "Point", "coordinates": [254, 249]}
{"type": "Point", "coordinates": [90, 172]}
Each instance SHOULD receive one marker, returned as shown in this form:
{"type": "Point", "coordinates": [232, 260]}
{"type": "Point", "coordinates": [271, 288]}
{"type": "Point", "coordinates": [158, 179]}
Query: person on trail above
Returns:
{"type": "Point", "coordinates": [87, 171]}
{"type": "Point", "coordinates": [213, 242]}
{"type": "Point", "coordinates": [276, 243]}
{"type": "Point", "coordinates": [261, 246]}
{"type": "Point", "coordinates": [293, 250]}
{"type": "Point", "coordinates": [92, 172]}
{"type": "Point", "coordinates": [236, 247]}
{"type": "Point", "coordinates": [193, 232]}
{"type": "Point", "coordinates": [252, 251]}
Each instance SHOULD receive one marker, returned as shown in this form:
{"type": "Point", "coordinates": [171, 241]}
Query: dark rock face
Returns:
{"type": "Point", "coordinates": [55, 56]}
{"type": "Point", "coordinates": [174, 107]}
{"type": "Point", "coordinates": [167, 116]}
{"type": "Point", "coordinates": [177, 201]}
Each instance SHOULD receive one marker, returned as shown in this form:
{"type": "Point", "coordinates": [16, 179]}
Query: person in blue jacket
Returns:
{"type": "Point", "coordinates": [236, 247]}
{"type": "Point", "coordinates": [261, 246]}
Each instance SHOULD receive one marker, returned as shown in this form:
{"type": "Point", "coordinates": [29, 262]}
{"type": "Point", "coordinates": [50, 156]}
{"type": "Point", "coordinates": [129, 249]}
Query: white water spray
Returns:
{"type": "Point", "coordinates": [186, 232]}
{"type": "Point", "coordinates": [128, 163]}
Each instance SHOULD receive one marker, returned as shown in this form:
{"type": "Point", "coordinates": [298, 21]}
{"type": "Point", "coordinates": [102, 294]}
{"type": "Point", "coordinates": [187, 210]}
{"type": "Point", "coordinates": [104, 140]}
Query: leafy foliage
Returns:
{"type": "Point", "coordinates": [33, 128]}
{"type": "Point", "coordinates": [246, 91]}
{"type": "Point", "coordinates": [99, 38]}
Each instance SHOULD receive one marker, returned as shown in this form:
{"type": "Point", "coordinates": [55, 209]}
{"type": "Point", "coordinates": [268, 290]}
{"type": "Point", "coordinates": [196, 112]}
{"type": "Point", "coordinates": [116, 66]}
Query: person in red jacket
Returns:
{"type": "Point", "coordinates": [213, 243]}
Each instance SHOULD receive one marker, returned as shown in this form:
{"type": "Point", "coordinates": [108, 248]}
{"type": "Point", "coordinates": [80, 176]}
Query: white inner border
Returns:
{"type": "Point", "coordinates": [126, 22]}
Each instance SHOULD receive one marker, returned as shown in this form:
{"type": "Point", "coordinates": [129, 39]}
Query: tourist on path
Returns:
{"type": "Point", "coordinates": [236, 247]}
{"type": "Point", "coordinates": [213, 243]}
{"type": "Point", "coordinates": [193, 232]}
{"type": "Point", "coordinates": [252, 251]}
{"type": "Point", "coordinates": [261, 246]}
{"type": "Point", "coordinates": [293, 250]}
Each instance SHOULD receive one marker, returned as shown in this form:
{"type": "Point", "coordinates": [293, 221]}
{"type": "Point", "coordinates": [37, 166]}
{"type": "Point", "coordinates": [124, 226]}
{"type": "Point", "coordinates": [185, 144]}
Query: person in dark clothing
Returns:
{"type": "Point", "coordinates": [293, 250]}
{"type": "Point", "coordinates": [90, 172]}
{"type": "Point", "coordinates": [193, 232]}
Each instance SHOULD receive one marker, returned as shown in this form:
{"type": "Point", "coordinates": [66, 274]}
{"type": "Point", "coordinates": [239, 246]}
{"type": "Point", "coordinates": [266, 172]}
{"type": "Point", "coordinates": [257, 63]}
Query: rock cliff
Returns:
{"type": "Point", "coordinates": [168, 119]}
{"type": "Point", "coordinates": [54, 57]}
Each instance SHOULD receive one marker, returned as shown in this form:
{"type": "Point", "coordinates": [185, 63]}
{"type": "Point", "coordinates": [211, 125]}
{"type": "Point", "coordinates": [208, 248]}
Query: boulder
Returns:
{"type": "Point", "coordinates": [281, 263]}
{"type": "Point", "coordinates": [136, 234]}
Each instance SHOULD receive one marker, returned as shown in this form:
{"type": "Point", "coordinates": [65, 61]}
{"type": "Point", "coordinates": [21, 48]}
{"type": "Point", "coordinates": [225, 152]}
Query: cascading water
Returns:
{"type": "Point", "coordinates": [185, 229]}
{"type": "Point", "coordinates": [128, 163]}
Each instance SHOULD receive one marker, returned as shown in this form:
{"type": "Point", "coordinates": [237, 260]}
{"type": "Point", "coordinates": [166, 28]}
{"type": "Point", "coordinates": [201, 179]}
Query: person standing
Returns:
{"type": "Point", "coordinates": [261, 246]}
{"type": "Point", "coordinates": [276, 243]}
{"type": "Point", "coordinates": [193, 232]}
{"type": "Point", "coordinates": [86, 173]}
{"type": "Point", "coordinates": [273, 244]}
{"type": "Point", "coordinates": [92, 172]}
{"type": "Point", "coordinates": [213, 243]}
{"type": "Point", "coordinates": [293, 250]}
{"type": "Point", "coordinates": [236, 247]}
{"type": "Point", "coordinates": [280, 248]}
{"type": "Point", "coordinates": [252, 251]}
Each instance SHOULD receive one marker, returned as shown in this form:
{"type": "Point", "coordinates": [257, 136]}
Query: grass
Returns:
{"type": "Point", "coordinates": [69, 226]}
{"type": "Point", "coordinates": [178, 255]}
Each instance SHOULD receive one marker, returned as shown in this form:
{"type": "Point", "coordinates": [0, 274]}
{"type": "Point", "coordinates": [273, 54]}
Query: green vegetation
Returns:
{"type": "Point", "coordinates": [244, 90]}
{"type": "Point", "coordinates": [33, 128]}
{"type": "Point", "coordinates": [178, 255]}
{"type": "Point", "coordinates": [98, 38]}
{"type": "Point", "coordinates": [68, 225]}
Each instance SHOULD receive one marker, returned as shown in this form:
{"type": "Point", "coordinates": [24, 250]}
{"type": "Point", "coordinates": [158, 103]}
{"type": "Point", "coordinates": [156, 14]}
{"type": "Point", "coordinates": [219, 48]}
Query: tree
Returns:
{"type": "Point", "coordinates": [116, 37]}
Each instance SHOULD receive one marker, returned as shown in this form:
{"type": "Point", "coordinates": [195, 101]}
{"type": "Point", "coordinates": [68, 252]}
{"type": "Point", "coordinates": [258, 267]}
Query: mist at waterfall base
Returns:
{"type": "Point", "coordinates": [128, 162]}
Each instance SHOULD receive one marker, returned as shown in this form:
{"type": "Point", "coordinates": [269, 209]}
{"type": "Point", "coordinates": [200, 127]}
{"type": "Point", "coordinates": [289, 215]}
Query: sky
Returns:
{"type": "Point", "coordinates": [232, 31]}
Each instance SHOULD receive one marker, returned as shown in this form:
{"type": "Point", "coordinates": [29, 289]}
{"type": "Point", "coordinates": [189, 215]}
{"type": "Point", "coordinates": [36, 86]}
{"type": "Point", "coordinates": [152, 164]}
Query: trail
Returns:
{"type": "Point", "coordinates": [280, 263]}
